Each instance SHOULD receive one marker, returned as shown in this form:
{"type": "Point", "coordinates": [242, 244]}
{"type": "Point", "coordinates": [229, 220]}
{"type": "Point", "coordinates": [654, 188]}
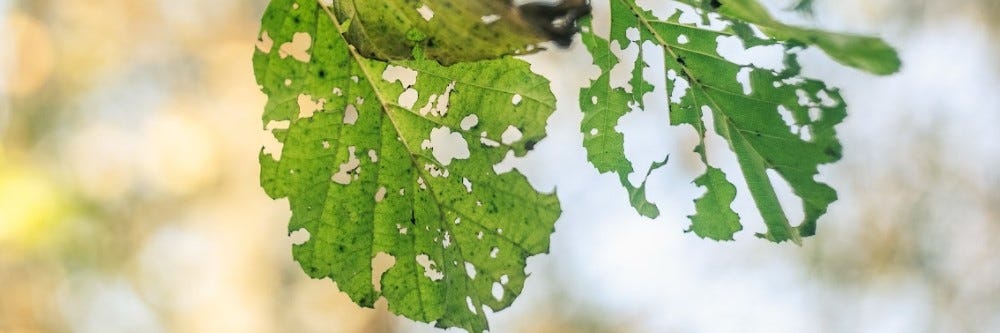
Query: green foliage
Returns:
{"type": "Point", "coordinates": [750, 121]}
{"type": "Point", "coordinates": [449, 31]}
{"type": "Point", "coordinates": [365, 173]}
{"type": "Point", "coordinates": [387, 153]}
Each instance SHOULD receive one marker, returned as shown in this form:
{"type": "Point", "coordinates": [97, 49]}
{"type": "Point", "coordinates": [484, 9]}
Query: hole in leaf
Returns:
{"type": "Point", "coordinates": [743, 77]}
{"type": "Point", "coordinates": [299, 237]}
{"type": "Point", "coordinates": [429, 267]}
{"type": "Point", "coordinates": [470, 270]}
{"type": "Point", "coordinates": [825, 99]}
{"type": "Point", "coordinates": [488, 142]}
{"type": "Point", "coordinates": [446, 145]}
{"type": "Point", "coordinates": [468, 301]}
{"type": "Point", "coordinates": [408, 98]}
{"type": "Point", "coordinates": [298, 48]}
{"type": "Point", "coordinates": [682, 39]}
{"type": "Point", "coordinates": [425, 12]}
{"type": "Point", "coordinates": [805, 133]}
{"type": "Point", "coordinates": [381, 263]}
{"type": "Point", "coordinates": [344, 175]}
{"type": "Point", "coordinates": [510, 135]}
{"type": "Point", "coordinates": [621, 73]}
{"type": "Point", "coordinates": [467, 184]}
{"type": "Point", "coordinates": [786, 116]}
{"type": "Point", "coordinates": [815, 114]}
{"type": "Point", "coordinates": [804, 98]}
{"type": "Point", "coordinates": [307, 106]}
{"type": "Point", "coordinates": [407, 77]}
{"type": "Point", "coordinates": [632, 33]}
{"type": "Point", "coordinates": [436, 171]}
{"type": "Point", "coordinates": [469, 122]}
{"type": "Point", "coordinates": [264, 43]}
{"type": "Point", "coordinates": [680, 87]}
{"type": "Point", "coordinates": [497, 291]}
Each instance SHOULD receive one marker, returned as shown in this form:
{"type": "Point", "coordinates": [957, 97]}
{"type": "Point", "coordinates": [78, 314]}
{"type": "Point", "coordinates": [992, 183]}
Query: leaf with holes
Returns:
{"type": "Point", "coordinates": [602, 106]}
{"type": "Point", "coordinates": [774, 121]}
{"type": "Point", "coordinates": [396, 160]}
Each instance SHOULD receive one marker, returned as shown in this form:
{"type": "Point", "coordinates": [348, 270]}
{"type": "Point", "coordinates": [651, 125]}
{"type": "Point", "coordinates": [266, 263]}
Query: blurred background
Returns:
{"type": "Point", "coordinates": [129, 197]}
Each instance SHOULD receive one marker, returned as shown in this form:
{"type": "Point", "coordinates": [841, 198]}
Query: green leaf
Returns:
{"type": "Point", "coordinates": [784, 123]}
{"type": "Point", "coordinates": [450, 31]}
{"type": "Point", "coordinates": [862, 52]}
{"type": "Point", "coordinates": [368, 169]}
{"type": "Point", "coordinates": [714, 219]}
{"type": "Point", "coordinates": [602, 106]}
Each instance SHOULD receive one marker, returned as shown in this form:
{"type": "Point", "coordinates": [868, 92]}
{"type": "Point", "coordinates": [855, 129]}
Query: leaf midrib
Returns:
{"type": "Point", "coordinates": [640, 15]}
{"type": "Point", "coordinates": [385, 110]}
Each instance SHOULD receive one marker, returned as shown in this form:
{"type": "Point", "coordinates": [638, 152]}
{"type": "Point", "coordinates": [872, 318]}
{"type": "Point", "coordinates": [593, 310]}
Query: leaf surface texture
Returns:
{"type": "Point", "coordinates": [396, 159]}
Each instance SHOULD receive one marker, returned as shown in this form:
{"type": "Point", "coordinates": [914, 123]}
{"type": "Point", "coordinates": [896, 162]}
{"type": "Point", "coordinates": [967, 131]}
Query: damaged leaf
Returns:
{"type": "Point", "coordinates": [397, 160]}
{"type": "Point", "coordinates": [773, 120]}
{"type": "Point", "coordinates": [602, 106]}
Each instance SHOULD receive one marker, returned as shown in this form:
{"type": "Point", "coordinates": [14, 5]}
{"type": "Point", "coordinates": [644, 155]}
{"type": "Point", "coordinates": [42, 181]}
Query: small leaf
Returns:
{"type": "Point", "coordinates": [602, 107]}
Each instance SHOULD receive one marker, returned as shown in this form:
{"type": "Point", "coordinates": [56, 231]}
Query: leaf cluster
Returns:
{"type": "Point", "coordinates": [392, 116]}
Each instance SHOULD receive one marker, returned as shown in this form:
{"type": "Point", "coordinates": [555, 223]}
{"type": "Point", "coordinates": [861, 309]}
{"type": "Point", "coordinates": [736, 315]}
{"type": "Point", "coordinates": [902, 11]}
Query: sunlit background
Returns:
{"type": "Point", "coordinates": [129, 197]}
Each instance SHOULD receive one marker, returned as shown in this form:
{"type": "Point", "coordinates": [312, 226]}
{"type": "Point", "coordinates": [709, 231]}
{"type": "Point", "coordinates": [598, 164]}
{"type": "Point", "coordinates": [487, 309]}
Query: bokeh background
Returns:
{"type": "Point", "coordinates": [129, 199]}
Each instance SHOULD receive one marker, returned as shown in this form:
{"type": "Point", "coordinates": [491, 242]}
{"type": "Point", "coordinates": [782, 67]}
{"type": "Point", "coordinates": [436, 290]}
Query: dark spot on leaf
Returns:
{"type": "Point", "coordinates": [830, 151]}
{"type": "Point", "coordinates": [530, 144]}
